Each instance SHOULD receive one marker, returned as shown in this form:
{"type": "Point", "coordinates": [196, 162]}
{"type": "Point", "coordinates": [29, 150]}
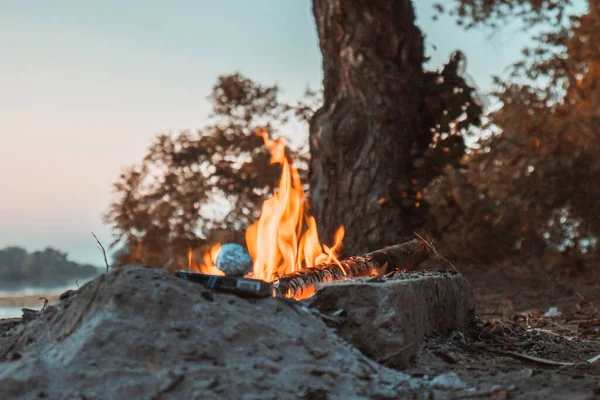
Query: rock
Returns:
{"type": "Point", "coordinates": [448, 381]}
{"type": "Point", "coordinates": [234, 260]}
{"type": "Point", "coordinates": [67, 294]}
{"type": "Point", "coordinates": [552, 312]}
{"type": "Point", "coordinates": [6, 324]}
{"type": "Point", "coordinates": [142, 333]}
{"type": "Point", "coordinates": [387, 319]}
{"type": "Point", "coordinates": [29, 314]}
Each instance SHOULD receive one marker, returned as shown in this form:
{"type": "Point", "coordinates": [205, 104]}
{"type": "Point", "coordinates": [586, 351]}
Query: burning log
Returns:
{"type": "Point", "coordinates": [301, 284]}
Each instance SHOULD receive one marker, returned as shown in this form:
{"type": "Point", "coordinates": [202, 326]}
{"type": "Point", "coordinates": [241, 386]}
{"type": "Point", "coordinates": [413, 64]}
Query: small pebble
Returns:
{"type": "Point", "coordinates": [448, 381]}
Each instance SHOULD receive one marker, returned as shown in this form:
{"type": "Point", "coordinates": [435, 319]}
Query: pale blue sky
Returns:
{"type": "Point", "coordinates": [85, 85]}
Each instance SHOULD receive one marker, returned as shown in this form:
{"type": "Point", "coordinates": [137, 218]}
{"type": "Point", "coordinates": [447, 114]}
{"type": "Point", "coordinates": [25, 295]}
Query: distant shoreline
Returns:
{"type": "Point", "coordinates": [29, 300]}
{"type": "Point", "coordinates": [50, 270]}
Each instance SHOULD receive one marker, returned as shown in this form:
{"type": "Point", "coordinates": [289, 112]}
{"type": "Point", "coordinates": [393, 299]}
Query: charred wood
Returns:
{"type": "Point", "coordinates": [406, 256]}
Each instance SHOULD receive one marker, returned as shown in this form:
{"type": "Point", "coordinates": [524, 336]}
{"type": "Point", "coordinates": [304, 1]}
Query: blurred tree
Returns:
{"type": "Point", "coordinates": [529, 187]}
{"type": "Point", "coordinates": [195, 188]}
{"type": "Point", "coordinates": [387, 146]}
{"type": "Point", "coordinates": [386, 129]}
{"type": "Point", "coordinates": [48, 268]}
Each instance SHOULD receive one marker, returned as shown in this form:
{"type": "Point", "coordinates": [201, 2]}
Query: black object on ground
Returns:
{"type": "Point", "coordinates": [243, 287]}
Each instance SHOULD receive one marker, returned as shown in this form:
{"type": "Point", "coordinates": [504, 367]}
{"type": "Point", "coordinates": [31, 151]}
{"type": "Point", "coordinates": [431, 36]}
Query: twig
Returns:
{"type": "Point", "coordinates": [332, 320]}
{"type": "Point", "coordinates": [429, 244]}
{"type": "Point", "coordinates": [584, 322]}
{"type": "Point", "coordinates": [538, 360]}
{"type": "Point", "coordinates": [449, 358]}
{"type": "Point", "coordinates": [493, 393]}
{"type": "Point", "coordinates": [593, 360]}
{"type": "Point", "coordinates": [397, 353]}
{"type": "Point", "coordinates": [174, 383]}
{"type": "Point", "coordinates": [45, 302]}
{"type": "Point", "coordinates": [85, 309]}
{"type": "Point", "coordinates": [103, 251]}
{"type": "Point", "coordinates": [497, 307]}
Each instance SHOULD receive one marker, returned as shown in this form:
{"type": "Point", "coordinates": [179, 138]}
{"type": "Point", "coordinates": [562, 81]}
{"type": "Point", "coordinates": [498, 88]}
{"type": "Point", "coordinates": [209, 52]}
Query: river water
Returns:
{"type": "Point", "coordinates": [11, 311]}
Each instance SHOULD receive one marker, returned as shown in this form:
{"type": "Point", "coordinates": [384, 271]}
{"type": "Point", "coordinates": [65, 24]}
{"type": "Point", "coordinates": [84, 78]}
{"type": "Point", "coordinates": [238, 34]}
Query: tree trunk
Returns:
{"type": "Point", "coordinates": [362, 138]}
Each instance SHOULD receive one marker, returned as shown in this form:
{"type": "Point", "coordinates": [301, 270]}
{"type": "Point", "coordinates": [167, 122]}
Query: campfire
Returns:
{"type": "Point", "coordinates": [285, 247]}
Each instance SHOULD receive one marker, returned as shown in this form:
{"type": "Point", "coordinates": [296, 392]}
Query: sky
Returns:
{"type": "Point", "coordinates": [86, 85]}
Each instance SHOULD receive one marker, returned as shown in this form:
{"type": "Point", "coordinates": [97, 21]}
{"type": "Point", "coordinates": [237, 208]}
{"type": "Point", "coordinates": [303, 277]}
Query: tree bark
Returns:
{"type": "Point", "coordinates": [362, 138]}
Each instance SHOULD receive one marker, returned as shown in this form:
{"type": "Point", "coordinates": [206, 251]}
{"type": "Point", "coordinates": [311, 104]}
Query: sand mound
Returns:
{"type": "Point", "coordinates": [145, 334]}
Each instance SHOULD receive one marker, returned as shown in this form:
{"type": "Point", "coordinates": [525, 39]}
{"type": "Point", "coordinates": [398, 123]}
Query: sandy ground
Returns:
{"type": "Point", "coordinates": [154, 336]}
{"type": "Point", "coordinates": [143, 334]}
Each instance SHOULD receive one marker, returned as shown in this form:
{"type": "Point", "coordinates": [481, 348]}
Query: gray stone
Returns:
{"type": "Point", "coordinates": [234, 260]}
{"type": "Point", "coordinates": [387, 319]}
{"type": "Point", "coordinates": [448, 381]}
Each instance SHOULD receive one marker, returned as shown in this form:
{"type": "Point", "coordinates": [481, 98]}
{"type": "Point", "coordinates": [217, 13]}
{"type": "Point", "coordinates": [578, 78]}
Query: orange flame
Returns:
{"type": "Point", "coordinates": [283, 239]}
{"type": "Point", "coordinates": [208, 261]}
{"type": "Point", "coordinates": [278, 242]}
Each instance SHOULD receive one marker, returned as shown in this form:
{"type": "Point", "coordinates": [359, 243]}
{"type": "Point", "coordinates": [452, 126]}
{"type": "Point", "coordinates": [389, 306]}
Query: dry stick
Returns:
{"type": "Point", "coordinates": [397, 353]}
{"type": "Point", "coordinates": [486, 393]}
{"type": "Point", "coordinates": [301, 283]}
{"type": "Point", "coordinates": [173, 385]}
{"type": "Point", "coordinates": [45, 302]}
{"type": "Point", "coordinates": [85, 310]}
{"type": "Point", "coordinates": [538, 360]}
{"type": "Point", "coordinates": [103, 251]}
{"type": "Point", "coordinates": [593, 360]}
{"type": "Point", "coordinates": [429, 243]}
